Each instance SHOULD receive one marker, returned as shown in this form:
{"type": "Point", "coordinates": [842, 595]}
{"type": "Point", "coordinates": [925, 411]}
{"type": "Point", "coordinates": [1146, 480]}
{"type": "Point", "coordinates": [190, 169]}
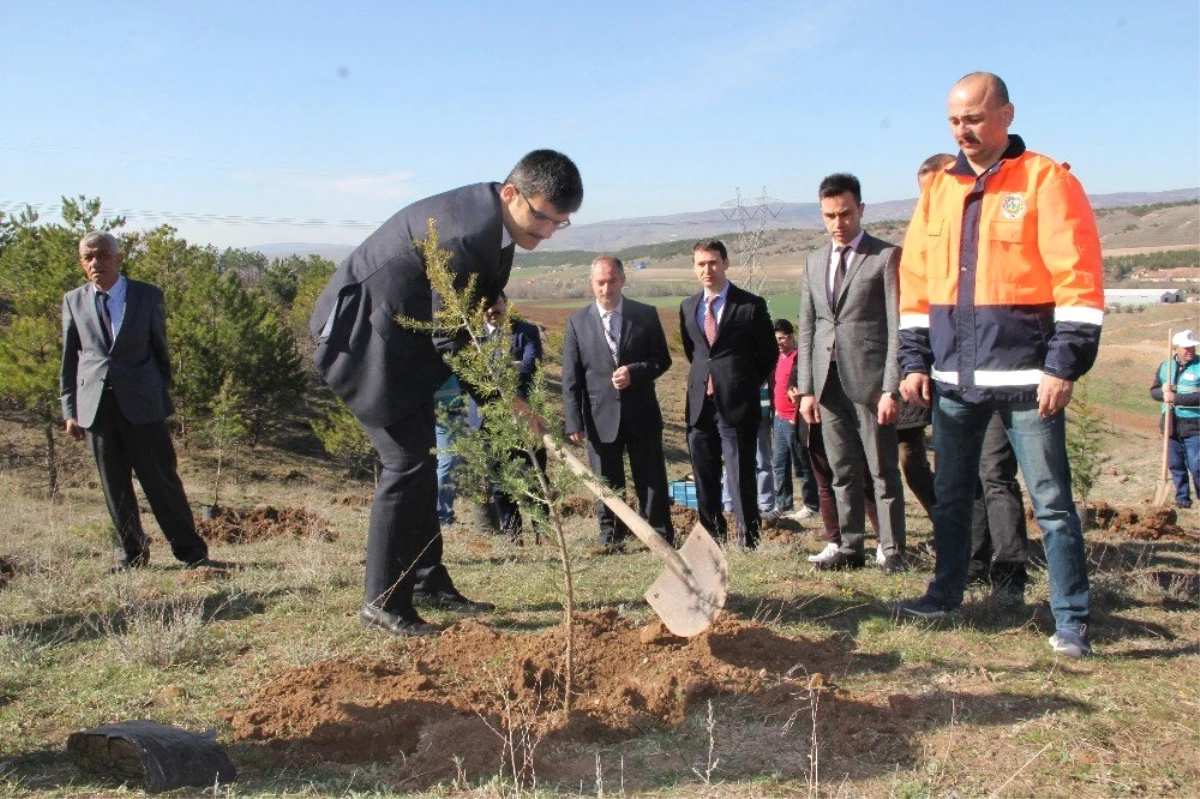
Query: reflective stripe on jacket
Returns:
{"type": "Point", "coordinates": [1034, 301]}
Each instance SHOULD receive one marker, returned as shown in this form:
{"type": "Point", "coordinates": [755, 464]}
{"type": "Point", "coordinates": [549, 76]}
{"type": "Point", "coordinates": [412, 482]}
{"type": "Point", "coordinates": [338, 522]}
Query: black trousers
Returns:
{"type": "Point", "coordinates": [649, 470]}
{"type": "Point", "coordinates": [404, 539]}
{"type": "Point", "coordinates": [710, 440]}
{"type": "Point", "coordinates": [123, 449]}
{"type": "Point", "coordinates": [999, 538]}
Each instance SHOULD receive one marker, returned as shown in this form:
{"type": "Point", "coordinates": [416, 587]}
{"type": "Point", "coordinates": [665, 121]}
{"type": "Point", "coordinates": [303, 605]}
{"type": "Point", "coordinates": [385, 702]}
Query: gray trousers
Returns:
{"type": "Point", "coordinates": [844, 424]}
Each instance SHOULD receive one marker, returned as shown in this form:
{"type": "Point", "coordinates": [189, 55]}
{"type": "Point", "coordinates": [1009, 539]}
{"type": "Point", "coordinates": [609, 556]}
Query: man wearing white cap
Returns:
{"type": "Point", "coordinates": [1177, 387]}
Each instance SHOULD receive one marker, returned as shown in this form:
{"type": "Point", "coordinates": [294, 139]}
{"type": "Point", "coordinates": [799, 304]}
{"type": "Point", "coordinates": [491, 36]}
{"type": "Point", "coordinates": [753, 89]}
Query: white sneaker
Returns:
{"type": "Point", "coordinates": [879, 556]}
{"type": "Point", "coordinates": [801, 513]}
{"type": "Point", "coordinates": [825, 554]}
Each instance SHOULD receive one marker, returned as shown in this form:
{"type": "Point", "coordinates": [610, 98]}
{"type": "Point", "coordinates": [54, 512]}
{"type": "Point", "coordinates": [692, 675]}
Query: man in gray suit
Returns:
{"type": "Point", "coordinates": [113, 386]}
{"type": "Point", "coordinates": [847, 371]}
{"type": "Point", "coordinates": [613, 351]}
{"type": "Point", "coordinates": [387, 374]}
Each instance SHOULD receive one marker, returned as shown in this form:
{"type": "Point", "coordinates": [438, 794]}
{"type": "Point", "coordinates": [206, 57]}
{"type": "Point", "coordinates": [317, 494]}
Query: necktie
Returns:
{"type": "Point", "coordinates": [105, 318]}
{"type": "Point", "coordinates": [710, 333]}
{"type": "Point", "coordinates": [612, 333]}
{"type": "Point", "coordinates": [839, 275]}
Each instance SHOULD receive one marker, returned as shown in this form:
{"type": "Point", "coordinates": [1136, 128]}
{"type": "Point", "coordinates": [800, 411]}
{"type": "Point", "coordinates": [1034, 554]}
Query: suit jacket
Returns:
{"type": "Point", "coordinates": [864, 320]}
{"type": "Point", "coordinates": [381, 370]}
{"type": "Point", "coordinates": [590, 403]}
{"type": "Point", "coordinates": [525, 346]}
{"type": "Point", "coordinates": [741, 358]}
{"type": "Point", "coordinates": [137, 367]}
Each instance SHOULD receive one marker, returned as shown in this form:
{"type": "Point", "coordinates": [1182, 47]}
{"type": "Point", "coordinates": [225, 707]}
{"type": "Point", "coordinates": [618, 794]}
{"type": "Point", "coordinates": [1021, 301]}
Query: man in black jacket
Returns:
{"type": "Point", "coordinates": [730, 342]}
{"type": "Point", "coordinates": [387, 374]}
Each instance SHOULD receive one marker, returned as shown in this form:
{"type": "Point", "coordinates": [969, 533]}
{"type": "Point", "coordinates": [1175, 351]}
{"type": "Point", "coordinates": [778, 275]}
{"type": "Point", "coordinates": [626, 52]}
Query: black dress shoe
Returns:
{"type": "Point", "coordinates": [404, 625]}
{"type": "Point", "coordinates": [842, 560]}
{"type": "Point", "coordinates": [451, 599]}
{"type": "Point", "coordinates": [893, 564]}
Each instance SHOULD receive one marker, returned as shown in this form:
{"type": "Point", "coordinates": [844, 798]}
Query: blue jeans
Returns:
{"type": "Point", "coordinates": [1183, 457]}
{"type": "Point", "coordinates": [762, 473]}
{"type": "Point", "coordinates": [1041, 449]}
{"type": "Point", "coordinates": [790, 456]}
{"type": "Point", "coordinates": [447, 461]}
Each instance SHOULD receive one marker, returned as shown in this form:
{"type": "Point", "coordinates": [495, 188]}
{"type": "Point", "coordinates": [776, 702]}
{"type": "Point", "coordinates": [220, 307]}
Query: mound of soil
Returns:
{"type": "Point", "coordinates": [475, 694]}
{"type": "Point", "coordinates": [1144, 523]}
{"type": "Point", "coordinates": [231, 526]}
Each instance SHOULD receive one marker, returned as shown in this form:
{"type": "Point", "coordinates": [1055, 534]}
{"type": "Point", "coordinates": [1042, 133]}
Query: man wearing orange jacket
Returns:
{"type": "Point", "coordinates": [1001, 305]}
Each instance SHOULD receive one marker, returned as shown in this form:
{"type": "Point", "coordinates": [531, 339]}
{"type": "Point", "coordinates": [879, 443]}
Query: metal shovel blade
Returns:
{"type": "Point", "coordinates": [689, 599]}
{"type": "Point", "coordinates": [691, 590]}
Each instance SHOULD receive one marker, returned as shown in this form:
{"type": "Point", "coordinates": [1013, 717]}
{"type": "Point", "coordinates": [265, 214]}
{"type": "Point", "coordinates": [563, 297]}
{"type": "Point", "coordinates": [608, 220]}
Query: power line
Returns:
{"type": "Point", "coordinates": [55, 209]}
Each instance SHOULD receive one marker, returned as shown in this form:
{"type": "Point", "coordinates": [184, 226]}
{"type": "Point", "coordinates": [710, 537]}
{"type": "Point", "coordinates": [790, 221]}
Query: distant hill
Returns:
{"type": "Point", "coordinates": [619, 234]}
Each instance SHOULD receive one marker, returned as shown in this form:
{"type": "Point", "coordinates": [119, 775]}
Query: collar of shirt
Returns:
{"type": "Point", "coordinates": [835, 254]}
{"type": "Point", "coordinates": [834, 247]}
{"type": "Point", "coordinates": [506, 238]}
{"type": "Point", "coordinates": [617, 310]}
{"type": "Point", "coordinates": [1015, 149]}
{"type": "Point", "coordinates": [116, 302]}
{"type": "Point", "coordinates": [718, 306]}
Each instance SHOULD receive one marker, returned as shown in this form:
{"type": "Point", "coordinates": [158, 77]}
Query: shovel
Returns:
{"type": "Point", "coordinates": [1166, 488]}
{"type": "Point", "coordinates": [690, 593]}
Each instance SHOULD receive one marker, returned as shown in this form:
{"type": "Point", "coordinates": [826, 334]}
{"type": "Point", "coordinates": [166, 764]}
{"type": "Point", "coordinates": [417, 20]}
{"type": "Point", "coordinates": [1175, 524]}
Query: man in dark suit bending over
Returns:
{"type": "Point", "coordinates": [730, 342]}
{"type": "Point", "coordinates": [613, 351]}
{"type": "Point", "coordinates": [387, 374]}
{"type": "Point", "coordinates": [113, 382]}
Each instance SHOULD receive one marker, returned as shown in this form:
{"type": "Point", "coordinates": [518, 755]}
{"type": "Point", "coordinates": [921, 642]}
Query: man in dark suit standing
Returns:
{"type": "Point", "coordinates": [525, 354]}
{"type": "Point", "coordinates": [730, 342]}
{"type": "Point", "coordinates": [113, 384]}
{"type": "Point", "coordinates": [387, 374]}
{"type": "Point", "coordinates": [613, 351]}
{"type": "Point", "coordinates": [848, 374]}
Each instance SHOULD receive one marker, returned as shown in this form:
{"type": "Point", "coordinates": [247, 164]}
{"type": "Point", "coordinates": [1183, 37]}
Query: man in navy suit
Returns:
{"type": "Point", "coordinates": [613, 351]}
{"type": "Point", "coordinates": [387, 374]}
{"type": "Point", "coordinates": [113, 384]}
{"type": "Point", "coordinates": [730, 342]}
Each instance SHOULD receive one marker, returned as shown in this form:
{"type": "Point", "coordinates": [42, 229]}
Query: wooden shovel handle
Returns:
{"type": "Point", "coordinates": [636, 524]}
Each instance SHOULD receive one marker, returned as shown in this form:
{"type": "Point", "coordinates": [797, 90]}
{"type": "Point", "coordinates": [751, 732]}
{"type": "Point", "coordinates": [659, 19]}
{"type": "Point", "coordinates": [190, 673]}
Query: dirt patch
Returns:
{"type": "Point", "coordinates": [232, 526]}
{"type": "Point", "coordinates": [471, 692]}
{"type": "Point", "coordinates": [1141, 523]}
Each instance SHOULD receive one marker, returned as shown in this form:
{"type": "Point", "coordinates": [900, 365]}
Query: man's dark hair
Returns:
{"type": "Point", "coordinates": [838, 184]}
{"type": "Point", "coordinates": [549, 174]}
{"type": "Point", "coordinates": [609, 259]}
{"type": "Point", "coordinates": [712, 245]}
{"type": "Point", "coordinates": [999, 87]}
{"type": "Point", "coordinates": [934, 163]}
{"type": "Point", "coordinates": [784, 326]}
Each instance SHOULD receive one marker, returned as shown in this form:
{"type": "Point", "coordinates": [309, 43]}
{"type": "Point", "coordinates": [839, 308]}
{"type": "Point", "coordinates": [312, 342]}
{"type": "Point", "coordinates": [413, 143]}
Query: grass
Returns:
{"type": "Point", "coordinates": [990, 709]}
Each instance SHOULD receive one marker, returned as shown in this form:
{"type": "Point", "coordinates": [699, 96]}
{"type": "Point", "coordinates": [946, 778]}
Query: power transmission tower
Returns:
{"type": "Point", "coordinates": [752, 222]}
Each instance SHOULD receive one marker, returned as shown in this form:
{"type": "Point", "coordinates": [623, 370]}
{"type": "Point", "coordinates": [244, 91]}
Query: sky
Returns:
{"type": "Point", "coordinates": [243, 123]}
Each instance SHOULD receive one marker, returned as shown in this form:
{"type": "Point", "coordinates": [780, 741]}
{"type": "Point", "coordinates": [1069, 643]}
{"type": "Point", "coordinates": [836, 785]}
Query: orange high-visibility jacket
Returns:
{"type": "Point", "coordinates": [1034, 301]}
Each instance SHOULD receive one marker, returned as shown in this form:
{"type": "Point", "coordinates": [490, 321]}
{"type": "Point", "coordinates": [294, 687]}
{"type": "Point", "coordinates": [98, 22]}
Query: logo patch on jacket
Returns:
{"type": "Point", "coordinates": [1013, 206]}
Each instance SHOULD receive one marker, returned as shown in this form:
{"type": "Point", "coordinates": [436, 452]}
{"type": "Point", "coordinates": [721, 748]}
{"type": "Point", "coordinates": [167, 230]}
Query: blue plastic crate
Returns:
{"type": "Point", "coordinates": [683, 492]}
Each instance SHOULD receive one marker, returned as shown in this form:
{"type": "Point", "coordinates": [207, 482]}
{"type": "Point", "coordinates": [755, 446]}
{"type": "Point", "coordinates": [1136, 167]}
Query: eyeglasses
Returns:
{"type": "Point", "coordinates": [539, 216]}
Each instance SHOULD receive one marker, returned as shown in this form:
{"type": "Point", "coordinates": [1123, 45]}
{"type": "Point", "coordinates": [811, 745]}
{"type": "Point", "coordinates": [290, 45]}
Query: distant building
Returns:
{"type": "Point", "coordinates": [1142, 296]}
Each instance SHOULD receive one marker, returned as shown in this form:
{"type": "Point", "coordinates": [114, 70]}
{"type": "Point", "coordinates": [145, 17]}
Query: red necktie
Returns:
{"type": "Point", "coordinates": [710, 333]}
